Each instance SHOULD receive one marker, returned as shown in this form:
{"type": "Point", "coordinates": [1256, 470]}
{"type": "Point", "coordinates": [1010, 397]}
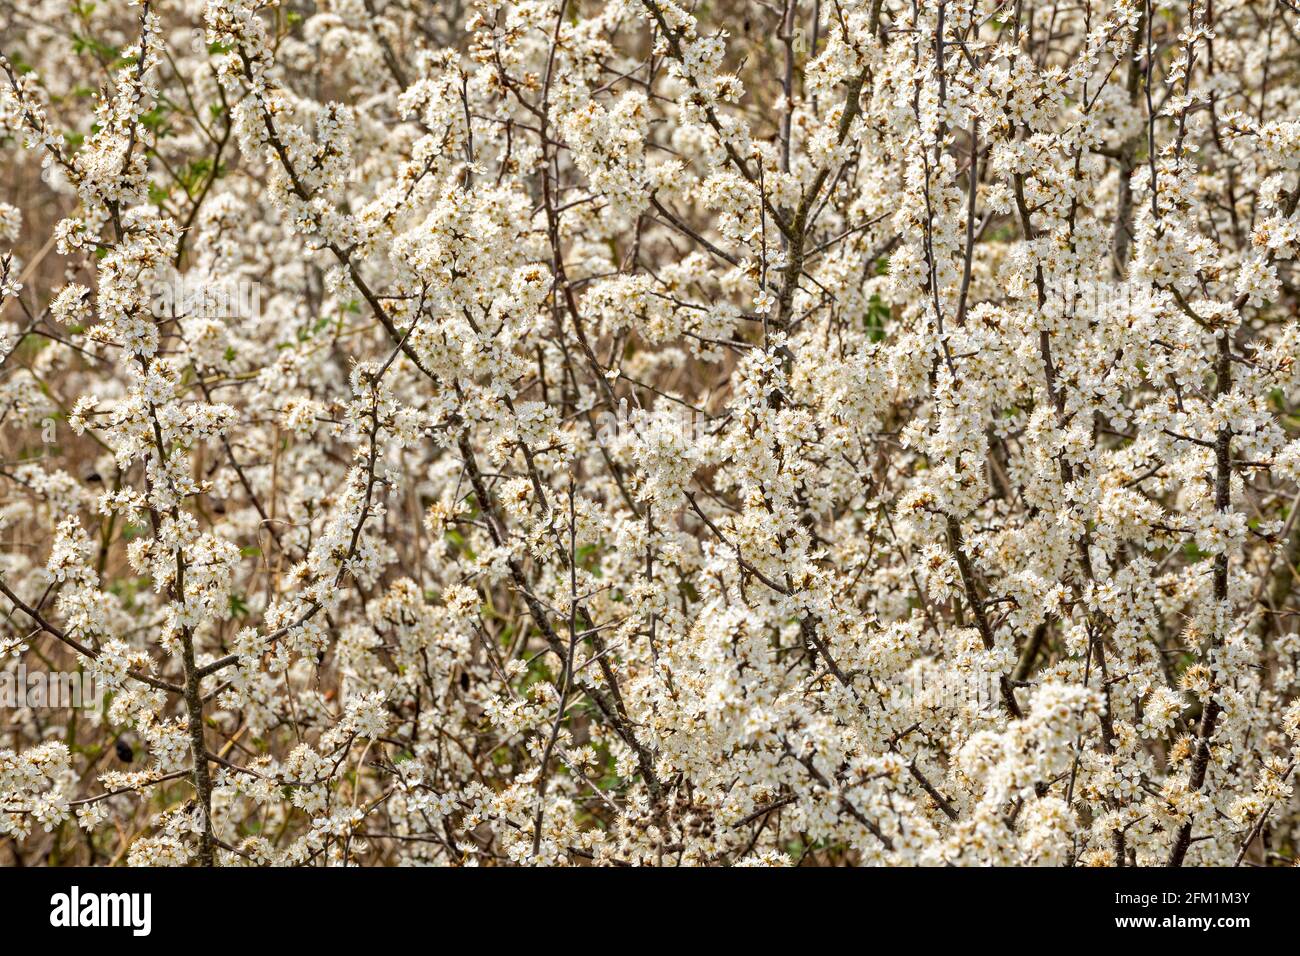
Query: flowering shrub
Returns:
{"type": "Point", "coordinates": [637, 432]}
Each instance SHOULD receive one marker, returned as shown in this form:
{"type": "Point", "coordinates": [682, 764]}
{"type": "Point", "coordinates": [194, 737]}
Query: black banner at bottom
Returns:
{"type": "Point", "coordinates": [606, 907]}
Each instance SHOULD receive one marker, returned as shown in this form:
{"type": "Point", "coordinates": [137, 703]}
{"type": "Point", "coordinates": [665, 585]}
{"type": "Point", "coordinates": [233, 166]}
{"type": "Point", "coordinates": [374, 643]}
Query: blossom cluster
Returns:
{"type": "Point", "coordinates": [950, 518]}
